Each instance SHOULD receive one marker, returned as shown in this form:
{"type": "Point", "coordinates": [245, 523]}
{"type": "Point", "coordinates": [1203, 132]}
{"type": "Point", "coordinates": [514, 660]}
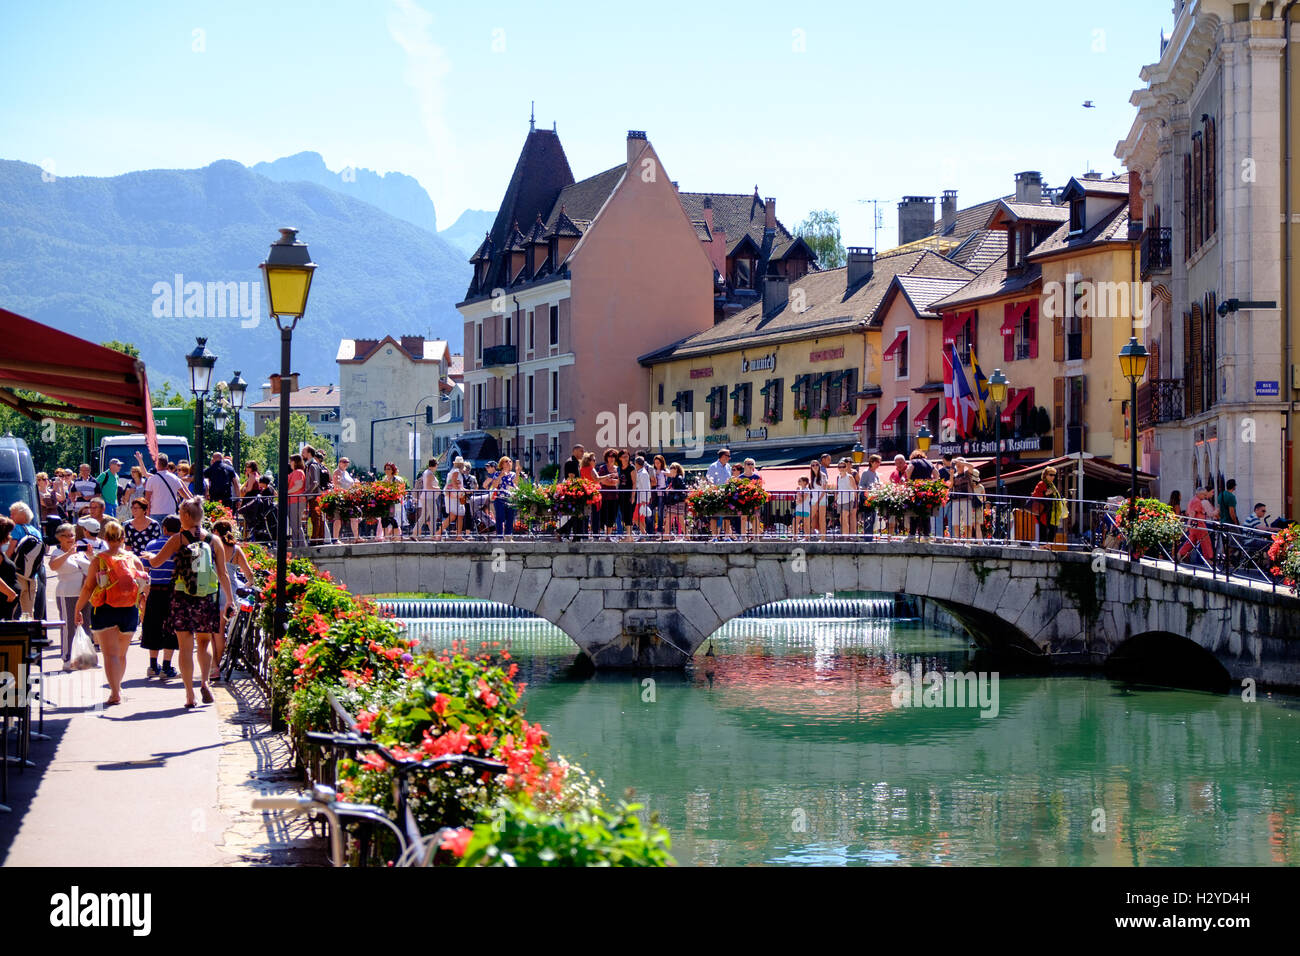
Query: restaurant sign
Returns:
{"type": "Point", "coordinates": [765, 364]}
{"type": "Point", "coordinates": [756, 434]}
{"type": "Point", "coordinates": [717, 439]}
{"type": "Point", "coordinates": [702, 372]}
{"type": "Point", "coordinates": [1008, 445]}
{"type": "Point", "coordinates": [826, 355]}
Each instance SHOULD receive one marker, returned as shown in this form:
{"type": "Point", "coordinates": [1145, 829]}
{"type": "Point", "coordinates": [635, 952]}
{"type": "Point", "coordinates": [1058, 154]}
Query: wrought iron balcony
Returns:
{"type": "Point", "coordinates": [1160, 400]}
{"type": "Point", "coordinates": [1155, 250]}
{"type": "Point", "coordinates": [499, 355]}
{"type": "Point", "coordinates": [501, 417]}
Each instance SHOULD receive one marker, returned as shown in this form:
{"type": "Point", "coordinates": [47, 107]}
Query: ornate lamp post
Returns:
{"type": "Point", "coordinates": [1133, 364]}
{"type": "Point", "coordinates": [858, 452]}
{"type": "Point", "coordinates": [998, 395]}
{"type": "Point", "coordinates": [237, 387]}
{"type": "Point", "coordinates": [200, 362]}
{"type": "Point", "coordinates": [220, 419]}
{"type": "Point", "coordinates": [923, 437]}
{"type": "Point", "coordinates": [287, 274]}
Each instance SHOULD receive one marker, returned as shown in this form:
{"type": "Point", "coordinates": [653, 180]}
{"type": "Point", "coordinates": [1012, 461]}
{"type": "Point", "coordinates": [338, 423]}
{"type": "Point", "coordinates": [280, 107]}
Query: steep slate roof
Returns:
{"type": "Point", "coordinates": [828, 307]}
{"type": "Point", "coordinates": [739, 214]}
{"type": "Point", "coordinates": [540, 173]}
{"type": "Point", "coordinates": [581, 201]}
{"type": "Point", "coordinates": [1037, 212]}
{"type": "Point", "coordinates": [414, 347]}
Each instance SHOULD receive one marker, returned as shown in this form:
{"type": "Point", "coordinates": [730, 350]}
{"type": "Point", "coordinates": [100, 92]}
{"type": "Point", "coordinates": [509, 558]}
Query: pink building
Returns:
{"type": "Point", "coordinates": [574, 281]}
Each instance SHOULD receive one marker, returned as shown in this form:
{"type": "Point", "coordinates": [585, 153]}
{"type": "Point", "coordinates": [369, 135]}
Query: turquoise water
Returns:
{"type": "Point", "coordinates": [785, 748]}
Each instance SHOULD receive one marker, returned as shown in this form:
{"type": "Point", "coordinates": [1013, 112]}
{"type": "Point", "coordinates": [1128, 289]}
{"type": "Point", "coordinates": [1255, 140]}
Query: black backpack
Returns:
{"type": "Point", "coordinates": [29, 554]}
{"type": "Point", "coordinates": [326, 479]}
{"type": "Point", "coordinates": [921, 470]}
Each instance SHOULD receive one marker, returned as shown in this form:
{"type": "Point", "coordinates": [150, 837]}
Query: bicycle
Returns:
{"type": "Point", "coordinates": [241, 638]}
{"type": "Point", "coordinates": [370, 825]}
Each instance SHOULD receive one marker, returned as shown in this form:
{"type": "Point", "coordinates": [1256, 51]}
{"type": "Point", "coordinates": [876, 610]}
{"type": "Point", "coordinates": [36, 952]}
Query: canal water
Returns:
{"type": "Point", "coordinates": [785, 747]}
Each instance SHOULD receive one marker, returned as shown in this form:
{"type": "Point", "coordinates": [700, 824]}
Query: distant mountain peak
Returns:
{"type": "Point", "coordinates": [395, 193]}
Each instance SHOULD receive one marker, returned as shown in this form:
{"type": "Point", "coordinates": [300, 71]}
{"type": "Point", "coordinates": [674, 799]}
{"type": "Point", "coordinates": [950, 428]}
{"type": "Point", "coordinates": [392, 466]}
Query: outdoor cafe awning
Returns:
{"type": "Point", "coordinates": [866, 416]}
{"type": "Point", "coordinates": [924, 414]}
{"type": "Point", "coordinates": [76, 381]}
{"type": "Point", "coordinates": [894, 346]}
{"type": "Point", "coordinates": [1020, 396]}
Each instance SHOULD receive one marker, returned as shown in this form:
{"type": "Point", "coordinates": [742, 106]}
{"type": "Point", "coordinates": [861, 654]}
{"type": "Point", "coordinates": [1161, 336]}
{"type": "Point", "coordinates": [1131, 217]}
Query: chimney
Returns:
{"type": "Point", "coordinates": [1029, 186]}
{"type": "Point", "coordinates": [915, 218]}
{"type": "Point", "coordinates": [1092, 174]}
{"type": "Point", "coordinates": [708, 213]}
{"type": "Point", "coordinates": [770, 210]}
{"type": "Point", "coordinates": [947, 211]}
{"type": "Point", "coordinates": [635, 143]}
{"type": "Point", "coordinates": [776, 292]}
{"type": "Point", "coordinates": [861, 265]}
{"type": "Point", "coordinates": [1135, 197]}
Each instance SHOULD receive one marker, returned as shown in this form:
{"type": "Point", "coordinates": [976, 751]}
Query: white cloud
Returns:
{"type": "Point", "coordinates": [411, 27]}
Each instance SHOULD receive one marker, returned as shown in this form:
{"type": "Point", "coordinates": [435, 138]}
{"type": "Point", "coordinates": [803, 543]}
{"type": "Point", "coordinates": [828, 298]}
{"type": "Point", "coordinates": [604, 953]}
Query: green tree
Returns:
{"type": "Point", "coordinates": [126, 348]}
{"type": "Point", "coordinates": [821, 230]}
{"type": "Point", "coordinates": [265, 448]}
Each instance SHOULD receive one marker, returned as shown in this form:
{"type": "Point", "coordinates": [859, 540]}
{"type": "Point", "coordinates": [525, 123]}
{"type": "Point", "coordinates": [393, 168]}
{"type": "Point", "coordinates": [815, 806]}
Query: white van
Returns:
{"type": "Point", "coordinates": [124, 447]}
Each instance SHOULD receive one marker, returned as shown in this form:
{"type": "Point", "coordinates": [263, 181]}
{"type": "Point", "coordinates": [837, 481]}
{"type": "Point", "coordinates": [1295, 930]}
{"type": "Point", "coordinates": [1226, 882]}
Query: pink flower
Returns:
{"type": "Point", "coordinates": [457, 841]}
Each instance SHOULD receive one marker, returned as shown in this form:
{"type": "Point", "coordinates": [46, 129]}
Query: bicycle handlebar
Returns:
{"type": "Point", "coordinates": [355, 742]}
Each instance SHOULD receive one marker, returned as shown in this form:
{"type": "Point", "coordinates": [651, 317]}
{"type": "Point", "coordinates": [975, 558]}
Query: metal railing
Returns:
{"type": "Point", "coordinates": [504, 416]}
{"type": "Point", "coordinates": [1155, 249]}
{"type": "Point", "coordinates": [1160, 400]}
{"type": "Point", "coordinates": [498, 355]}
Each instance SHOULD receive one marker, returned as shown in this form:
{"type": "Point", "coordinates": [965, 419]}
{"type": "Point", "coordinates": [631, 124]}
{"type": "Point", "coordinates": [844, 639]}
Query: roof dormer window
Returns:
{"type": "Point", "coordinates": [1076, 216]}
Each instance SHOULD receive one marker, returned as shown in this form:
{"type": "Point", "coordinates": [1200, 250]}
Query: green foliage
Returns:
{"type": "Point", "coordinates": [516, 833]}
{"type": "Point", "coordinates": [821, 230]}
{"type": "Point", "coordinates": [126, 348]}
{"type": "Point", "coordinates": [265, 448]}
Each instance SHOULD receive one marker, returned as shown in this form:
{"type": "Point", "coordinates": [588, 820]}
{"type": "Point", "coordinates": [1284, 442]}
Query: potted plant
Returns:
{"type": "Point", "coordinates": [1154, 529]}
{"type": "Point", "coordinates": [1284, 555]}
{"type": "Point", "coordinates": [740, 420]}
{"type": "Point", "coordinates": [771, 417]}
{"type": "Point", "coordinates": [845, 408]}
{"type": "Point", "coordinates": [716, 421]}
{"type": "Point", "coordinates": [825, 416]}
{"type": "Point", "coordinates": [802, 415]}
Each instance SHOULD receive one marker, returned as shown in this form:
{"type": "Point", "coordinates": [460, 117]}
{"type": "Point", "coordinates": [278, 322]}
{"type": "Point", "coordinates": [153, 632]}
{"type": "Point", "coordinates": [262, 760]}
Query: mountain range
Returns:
{"type": "Point", "coordinates": [100, 258]}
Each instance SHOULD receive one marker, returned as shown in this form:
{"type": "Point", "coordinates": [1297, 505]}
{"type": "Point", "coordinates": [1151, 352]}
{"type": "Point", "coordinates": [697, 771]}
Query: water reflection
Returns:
{"type": "Point", "coordinates": [783, 748]}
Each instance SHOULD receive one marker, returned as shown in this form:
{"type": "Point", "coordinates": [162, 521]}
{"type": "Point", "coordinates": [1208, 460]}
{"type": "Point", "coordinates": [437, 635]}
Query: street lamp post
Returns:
{"type": "Point", "coordinates": [923, 437]}
{"type": "Point", "coordinates": [287, 273]}
{"type": "Point", "coordinates": [998, 395]}
{"type": "Point", "coordinates": [200, 362]}
{"type": "Point", "coordinates": [220, 419]}
{"type": "Point", "coordinates": [1133, 364]}
{"type": "Point", "coordinates": [237, 388]}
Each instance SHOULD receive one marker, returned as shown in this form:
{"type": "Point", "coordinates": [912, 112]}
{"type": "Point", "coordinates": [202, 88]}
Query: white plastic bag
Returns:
{"type": "Point", "coordinates": [84, 655]}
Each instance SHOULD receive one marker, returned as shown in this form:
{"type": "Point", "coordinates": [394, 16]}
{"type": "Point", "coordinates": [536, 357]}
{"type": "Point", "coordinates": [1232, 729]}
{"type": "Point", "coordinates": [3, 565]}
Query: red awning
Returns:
{"type": "Point", "coordinates": [1019, 398]}
{"type": "Point", "coordinates": [887, 425]}
{"type": "Point", "coordinates": [87, 379]}
{"type": "Point", "coordinates": [894, 346]}
{"type": "Point", "coordinates": [924, 414]}
{"type": "Point", "coordinates": [865, 416]}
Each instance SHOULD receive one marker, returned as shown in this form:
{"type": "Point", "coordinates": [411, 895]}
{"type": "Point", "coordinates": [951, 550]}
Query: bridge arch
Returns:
{"type": "Point", "coordinates": [1165, 658]}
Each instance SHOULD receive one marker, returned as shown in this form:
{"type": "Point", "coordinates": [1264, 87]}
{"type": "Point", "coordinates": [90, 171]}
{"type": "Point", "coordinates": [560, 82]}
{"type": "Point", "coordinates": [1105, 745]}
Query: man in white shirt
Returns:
{"type": "Point", "coordinates": [164, 491]}
{"type": "Point", "coordinates": [719, 473]}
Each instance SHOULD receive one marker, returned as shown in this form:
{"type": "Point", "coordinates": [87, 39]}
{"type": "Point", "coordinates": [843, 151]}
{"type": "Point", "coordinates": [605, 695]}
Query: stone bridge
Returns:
{"type": "Point", "coordinates": [652, 604]}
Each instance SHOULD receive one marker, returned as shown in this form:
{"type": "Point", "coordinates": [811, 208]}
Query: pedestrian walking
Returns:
{"type": "Point", "coordinates": [427, 491]}
{"type": "Point", "coordinates": [500, 485]}
{"type": "Point", "coordinates": [455, 499]}
{"type": "Point", "coordinates": [156, 632]}
{"type": "Point", "coordinates": [846, 497]}
{"type": "Point", "coordinates": [817, 500]}
{"type": "Point", "coordinates": [297, 501]}
{"type": "Point", "coordinates": [114, 588]}
{"type": "Point", "coordinates": [1200, 510]}
{"type": "Point", "coordinates": [868, 478]}
{"type": "Point", "coordinates": [141, 529]}
{"type": "Point", "coordinates": [675, 500]}
{"type": "Point", "coordinates": [199, 581]}
{"type": "Point", "coordinates": [69, 561]}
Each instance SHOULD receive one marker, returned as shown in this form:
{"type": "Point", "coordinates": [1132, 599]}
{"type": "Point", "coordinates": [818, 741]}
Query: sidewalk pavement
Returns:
{"type": "Point", "coordinates": [148, 783]}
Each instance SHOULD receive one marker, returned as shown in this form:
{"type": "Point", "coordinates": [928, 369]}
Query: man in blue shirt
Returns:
{"type": "Point", "coordinates": [719, 473]}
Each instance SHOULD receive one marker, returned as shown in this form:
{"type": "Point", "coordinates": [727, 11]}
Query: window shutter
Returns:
{"type": "Point", "coordinates": [1033, 329]}
{"type": "Point", "coordinates": [1085, 336]}
{"type": "Point", "coordinates": [1008, 341]}
{"type": "Point", "coordinates": [1187, 205]}
{"type": "Point", "coordinates": [1058, 415]}
{"type": "Point", "coordinates": [1195, 356]}
{"type": "Point", "coordinates": [1187, 364]}
{"type": "Point", "coordinates": [1058, 339]}
{"type": "Point", "coordinates": [1211, 179]}
{"type": "Point", "coordinates": [1211, 358]}
{"type": "Point", "coordinates": [1198, 172]}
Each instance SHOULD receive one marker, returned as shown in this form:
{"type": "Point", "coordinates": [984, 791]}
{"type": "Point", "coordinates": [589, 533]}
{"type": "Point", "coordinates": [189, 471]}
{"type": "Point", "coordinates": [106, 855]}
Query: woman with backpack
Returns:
{"type": "Point", "coordinates": [200, 583]}
{"type": "Point", "coordinates": [114, 588]}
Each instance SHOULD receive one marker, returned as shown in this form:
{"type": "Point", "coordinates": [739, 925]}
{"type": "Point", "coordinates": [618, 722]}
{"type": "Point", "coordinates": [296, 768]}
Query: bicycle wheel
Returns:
{"type": "Point", "coordinates": [370, 839]}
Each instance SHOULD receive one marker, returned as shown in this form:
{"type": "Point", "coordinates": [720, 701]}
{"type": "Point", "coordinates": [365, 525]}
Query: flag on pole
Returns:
{"type": "Point", "coordinates": [963, 397]}
{"type": "Point", "coordinates": [949, 412]}
{"type": "Point", "coordinates": [981, 391]}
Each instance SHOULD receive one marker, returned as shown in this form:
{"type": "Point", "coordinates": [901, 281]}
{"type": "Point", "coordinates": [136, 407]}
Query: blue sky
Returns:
{"type": "Point", "coordinates": [819, 106]}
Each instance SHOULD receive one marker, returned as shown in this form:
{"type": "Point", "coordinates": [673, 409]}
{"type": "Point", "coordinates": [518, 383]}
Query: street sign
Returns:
{"type": "Point", "coordinates": [1267, 390]}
